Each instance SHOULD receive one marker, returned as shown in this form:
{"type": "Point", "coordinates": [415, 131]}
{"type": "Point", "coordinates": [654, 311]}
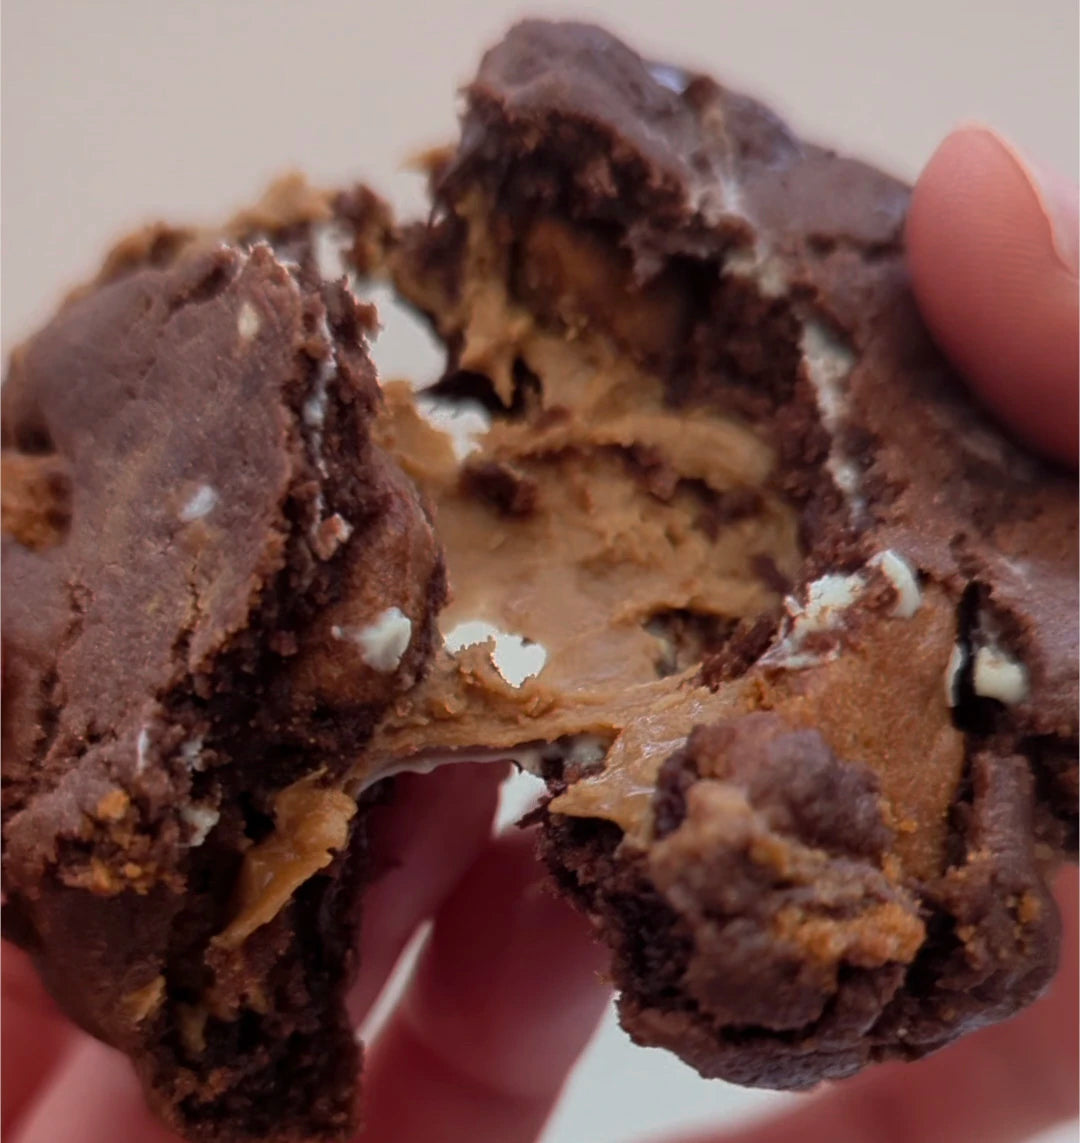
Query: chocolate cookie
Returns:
{"type": "Point", "coordinates": [214, 584]}
{"type": "Point", "coordinates": [801, 619]}
{"type": "Point", "coordinates": [737, 566]}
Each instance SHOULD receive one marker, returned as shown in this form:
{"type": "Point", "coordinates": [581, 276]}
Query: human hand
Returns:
{"type": "Point", "coordinates": [507, 992]}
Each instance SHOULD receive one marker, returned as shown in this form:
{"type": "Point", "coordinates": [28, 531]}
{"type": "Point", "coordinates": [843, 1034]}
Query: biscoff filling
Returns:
{"type": "Point", "coordinates": [311, 823]}
{"type": "Point", "coordinates": [616, 541]}
{"type": "Point", "coordinates": [618, 526]}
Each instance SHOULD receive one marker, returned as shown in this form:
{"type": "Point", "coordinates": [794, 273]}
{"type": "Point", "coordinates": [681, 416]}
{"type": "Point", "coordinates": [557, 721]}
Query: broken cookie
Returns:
{"type": "Point", "coordinates": [736, 566]}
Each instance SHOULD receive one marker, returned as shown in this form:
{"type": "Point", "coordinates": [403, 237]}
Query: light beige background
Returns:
{"type": "Point", "coordinates": [116, 111]}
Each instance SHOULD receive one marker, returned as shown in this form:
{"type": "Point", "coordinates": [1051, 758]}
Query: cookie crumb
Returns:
{"type": "Point", "coordinates": [112, 806]}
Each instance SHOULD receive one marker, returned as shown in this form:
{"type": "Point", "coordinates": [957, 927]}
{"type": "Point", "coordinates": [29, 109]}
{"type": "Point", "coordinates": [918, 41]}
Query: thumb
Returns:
{"type": "Point", "coordinates": [993, 251]}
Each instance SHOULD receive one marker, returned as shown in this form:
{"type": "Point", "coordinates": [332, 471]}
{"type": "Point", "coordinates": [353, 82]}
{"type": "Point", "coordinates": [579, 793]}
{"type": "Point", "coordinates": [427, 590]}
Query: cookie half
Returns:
{"type": "Point", "coordinates": [214, 583]}
{"type": "Point", "coordinates": [801, 618]}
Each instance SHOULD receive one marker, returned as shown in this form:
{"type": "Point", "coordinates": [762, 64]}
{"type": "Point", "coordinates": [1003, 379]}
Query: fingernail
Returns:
{"type": "Point", "coordinates": [1058, 198]}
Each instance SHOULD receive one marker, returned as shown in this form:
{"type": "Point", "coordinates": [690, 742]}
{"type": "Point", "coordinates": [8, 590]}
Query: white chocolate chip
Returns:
{"type": "Point", "coordinates": [957, 659]}
{"type": "Point", "coordinates": [514, 657]}
{"type": "Point", "coordinates": [829, 362]}
{"type": "Point", "coordinates": [998, 676]}
{"type": "Point", "coordinates": [202, 820]}
{"type": "Point", "coordinates": [827, 599]}
{"type": "Point", "coordinates": [202, 503]}
{"type": "Point", "coordinates": [315, 409]}
{"type": "Point", "coordinates": [764, 271]}
{"type": "Point", "coordinates": [247, 321]}
{"type": "Point", "coordinates": [463, 422]}
{"type": "Point", "coordinates": [382, 643]}
{"type": "Point", "coordinates": [898, 572]}
{"type": "Point", "coordinates": [142, 746]}
{"type": "Point", "coordinates": [191, 753]}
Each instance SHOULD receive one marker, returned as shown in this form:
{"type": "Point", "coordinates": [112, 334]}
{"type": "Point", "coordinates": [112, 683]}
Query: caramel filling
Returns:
{"type": "Point", "coordinates": [626, 539]}
{"type": "Point", "coordinates": [604, 525]}
{"type": "Point", "coordinates": [621, 536]}
{"type": "Point", "coordinates": [902, 729]}
{"type": "Point", "coordinates": [311, 823]}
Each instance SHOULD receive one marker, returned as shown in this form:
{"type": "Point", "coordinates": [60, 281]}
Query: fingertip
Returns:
{"type": "Point", "coordinates": [420, 843]}
{"type": "Point", "coordinates": [503, 1000]}
{"type": "Point", "coordinates": [36, 1038]}
{"type": "Point", "coordinates": [467, 788]}
{"type": "Point", "coordinates": [517, 959]}
{"type": "Point", "coordinates": [991, 248]}
{"type": "Point", "coordinates": [95, 1099]}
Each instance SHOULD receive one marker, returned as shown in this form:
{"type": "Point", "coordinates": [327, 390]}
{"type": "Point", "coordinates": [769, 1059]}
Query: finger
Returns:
{"type": "Point", "coordinates": [94, 1098]}
{"type": "Point", "coordinates": [34, 1036]}
{"type": "Point", "coordinates": [1000, 1085]}
{"type": "Point", "coordinates": [993, 255]}
{"type": "Point", "coordinates": [504, 999]}
{"type": "Point", "coordinates": [424, 840]}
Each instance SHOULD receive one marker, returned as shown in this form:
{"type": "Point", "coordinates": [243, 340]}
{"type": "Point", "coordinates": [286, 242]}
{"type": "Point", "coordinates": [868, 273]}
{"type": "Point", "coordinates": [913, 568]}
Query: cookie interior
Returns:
{"type": "Point", "coordinates": [649, 538]}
